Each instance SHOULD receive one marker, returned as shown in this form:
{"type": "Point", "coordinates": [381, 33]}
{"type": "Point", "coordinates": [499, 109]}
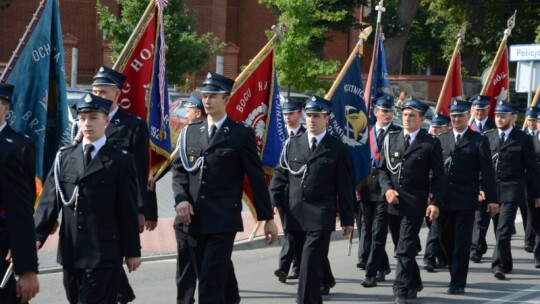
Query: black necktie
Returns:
{"type": "Point", "coordinates": [313, 144]}
{"type": "Point", "coordinates": [88, 154]}
{"type": "Point", "coordinates": [380, 136]}
{"type": "Point", "coordinates": [480, 126]}
{"type": "Point", "coordinates": [501, 140]}
{"type": "Point", "coordinates": [292, 133]}
{"type": "Point", "coordinates": [458, 138]}
{"type": "Point", "coordinates": [407, 141]}
{"type": "Point", "coordinates": [212, 132]}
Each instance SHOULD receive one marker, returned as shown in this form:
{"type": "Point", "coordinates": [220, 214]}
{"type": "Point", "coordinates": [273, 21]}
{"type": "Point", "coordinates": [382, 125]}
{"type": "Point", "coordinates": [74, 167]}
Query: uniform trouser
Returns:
{"type": "Point", "coordinates": [534, 216]}
{"type": "Point", "coordinates": [286, 255]}
{"type": "Point", "coordinates": [327, 276]}
{"type": "Point", "coordinates": [502, 255]}
{"type": "Point", "coordinates": [376, 218]}
{"type": "Point", "coordinates": [211, 253]}
{"type": "Point", "coordinates": [363, 250]}
{"type": "Point", "coordinates": [530, 230]}
{"type": "Point", "coordinates": [482, 219]}
{"type": "Point", "coordinates": [407, 271]}
{"type": "Point", "coordinates": [364, 235]}
{"type": "Point", "coordinates": [312, 246]}
{"type": "Point", "coordinates": [433, 250]}
{"type": "Point", "coordinates": [91, 286]}
{"type": "Point", "coordinates": [394, 227]}
{"type": "Point", "coordinates": [455, 234]}
{"type": "Point", "coordinates": [186, 280]}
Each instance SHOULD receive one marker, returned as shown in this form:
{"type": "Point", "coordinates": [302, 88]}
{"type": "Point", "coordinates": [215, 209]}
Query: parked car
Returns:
{"type": "Point", "coordinates": [177, 113]}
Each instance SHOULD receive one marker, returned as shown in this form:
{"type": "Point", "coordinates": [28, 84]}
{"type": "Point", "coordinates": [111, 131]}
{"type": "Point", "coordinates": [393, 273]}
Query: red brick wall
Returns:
{"type": "Point", "coordinates": [79, 20]}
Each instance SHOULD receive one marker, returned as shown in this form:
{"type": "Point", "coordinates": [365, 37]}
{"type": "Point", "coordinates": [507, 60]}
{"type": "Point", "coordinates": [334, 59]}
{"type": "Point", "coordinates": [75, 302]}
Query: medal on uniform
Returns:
{"type": "Point", "coordinates": [191, 158]}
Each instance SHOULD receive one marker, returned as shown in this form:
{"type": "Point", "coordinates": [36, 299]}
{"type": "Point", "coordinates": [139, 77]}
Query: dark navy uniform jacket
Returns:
{"type": "Point", "coordinates": [465, 161]}
{"type": "Point", "coordinates": [514, 164]}
{"type": "Point", "coordinates": [17, 231]}
{"type": "Point", "coordinates": [215, 189]}
{"type": "Point", "coordinates": [413, 182]}
{"type": "Point", "coordinates": [104, 226]}
{"type": "Point", "coordinates": [312, 198]}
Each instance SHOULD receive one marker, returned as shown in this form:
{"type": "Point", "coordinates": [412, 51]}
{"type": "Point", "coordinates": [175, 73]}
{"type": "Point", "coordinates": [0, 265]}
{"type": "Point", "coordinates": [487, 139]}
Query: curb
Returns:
{"type": "Point", "coordinates": [242, 245]}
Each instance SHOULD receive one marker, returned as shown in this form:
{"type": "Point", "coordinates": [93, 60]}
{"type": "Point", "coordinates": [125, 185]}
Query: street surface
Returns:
{"type": "Point", "coordinates": [154, 281]}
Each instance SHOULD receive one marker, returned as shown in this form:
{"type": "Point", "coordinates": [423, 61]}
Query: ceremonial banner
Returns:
{"type": "Point", "coordinates": [145, 92]}
{"type": "Point", "coordinates": [380, 86]}
{"type": "Point", "coordinates": [452, 85]}
{"type": "Point", "coordinates": [349, 121]}
{"type": "Point", "coordinates": [255, 102]}
{"type": "Point", "coordinates": [39, 104]}
{"type": "Point", "coordinates": [498, 87]}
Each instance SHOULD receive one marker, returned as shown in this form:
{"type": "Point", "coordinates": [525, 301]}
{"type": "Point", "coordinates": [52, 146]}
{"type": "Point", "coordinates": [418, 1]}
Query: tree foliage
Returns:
{"type": "Point", "coordinates": [306, 24]}
{"type": "Point", "coordinates": [486, 21]}
{"type": "Point", "coordinates": [186, 51]}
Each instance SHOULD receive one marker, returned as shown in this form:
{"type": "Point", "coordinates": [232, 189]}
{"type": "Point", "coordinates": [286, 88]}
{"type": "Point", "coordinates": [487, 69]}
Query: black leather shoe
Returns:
{"type": "Point", "coordinates": [293, 276]}
{"type": "Point", "coordinates": [369, 282]}
{"type": "Point", "coordinates": [429, 267]}
{"type": "Point", "coordinates": [387, 270]}
{"type": "Point", "coordinates": [455, 291]}
{"type": "Point", "coordinates": [475, 258]}
{"type": "Point", "coordinates": [281, 275]}
{"type": "Point", "coordinates": [324, 289]}
{"type": "Point", "coordinates": [529, 248]}
{"type": "Point", "coordinates": [499, 275]}
{"type": "Point", "coordinates": [361, 265]}
{"type": "Point", "coordinates": [380, 277]}
{"type": "Point", "coordinates": [400, 300]}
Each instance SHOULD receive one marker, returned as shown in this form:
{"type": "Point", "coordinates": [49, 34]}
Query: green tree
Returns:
{"type": "Point", "coordinates": [186, 51]}
{"type": "Point", "coordinates": [486, 21]}
{"type": "Point", "coordinates": [306, 24]}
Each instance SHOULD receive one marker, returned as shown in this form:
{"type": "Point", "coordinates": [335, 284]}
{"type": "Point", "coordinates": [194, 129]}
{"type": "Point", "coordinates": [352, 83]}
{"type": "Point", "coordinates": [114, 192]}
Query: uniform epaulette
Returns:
{"type": "Point", "coordinates": [26, 135]}
{"type": "Point", "coordinates": [488, 131]}
{"type": "Point", "coordinates": [394, 131]}
{"type": "Point", "coordinates": [64, 148]}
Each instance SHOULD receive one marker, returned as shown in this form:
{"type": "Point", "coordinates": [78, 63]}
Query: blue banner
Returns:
{"type": "Point", "coordinates": [158, 111]}
{"type": "Point", "coordinates": [381, 86]}
{"type": "Point", "coordinates": [276, 133]}
{"type": "Point", "coordinates": [349, 120]}
{"type": "Point", "coordinates": [39, 106]}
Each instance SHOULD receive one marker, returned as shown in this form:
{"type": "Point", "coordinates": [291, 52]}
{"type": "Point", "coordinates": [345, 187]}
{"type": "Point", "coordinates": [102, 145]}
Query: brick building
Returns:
{"type": "Point", "coordinates": [240, 24]}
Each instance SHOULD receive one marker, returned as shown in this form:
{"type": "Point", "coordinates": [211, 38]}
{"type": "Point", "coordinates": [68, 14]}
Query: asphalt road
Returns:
{"type": "Point", "coordinates": [154, 281]}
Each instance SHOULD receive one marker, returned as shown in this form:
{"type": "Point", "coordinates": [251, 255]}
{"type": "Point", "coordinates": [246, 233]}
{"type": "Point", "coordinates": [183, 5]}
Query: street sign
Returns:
{"type": "Point", "coordinates": [525, 52]}
{"type": "Point", "coordinates": [527, 80]}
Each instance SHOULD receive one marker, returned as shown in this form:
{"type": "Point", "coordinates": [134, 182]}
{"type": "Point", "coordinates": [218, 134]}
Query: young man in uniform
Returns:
{"type": "Point", "coordinates": [480, 123]}
{"type": "Point", "coordinates": [409, 157]}
{"type": "Point", "coordinates": [95, 187]}
{"type": "Point", "coordinates": [512, 153]}
{"type": "Point", "coordinates": [373, 205]}
{"type": "Point", "coordinates": [314, 171]}
{"type": "Point", "coordinates": [214, 155]}
{"type": "Point", "coordinates": [467, 157]}
{"type": "Point", "coordinates": [292, 114]}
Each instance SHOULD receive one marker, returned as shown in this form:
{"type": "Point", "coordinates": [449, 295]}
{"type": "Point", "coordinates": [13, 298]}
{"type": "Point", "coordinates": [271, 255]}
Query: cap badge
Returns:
{"type": "Point", "coordinates": [313, 98]}
{"type": "Point", "coordinates": [101, 69]}
{"type": "Point", "coordinates": [88, 98]}
{"type": "Point", "coordinates": [209, 75]}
